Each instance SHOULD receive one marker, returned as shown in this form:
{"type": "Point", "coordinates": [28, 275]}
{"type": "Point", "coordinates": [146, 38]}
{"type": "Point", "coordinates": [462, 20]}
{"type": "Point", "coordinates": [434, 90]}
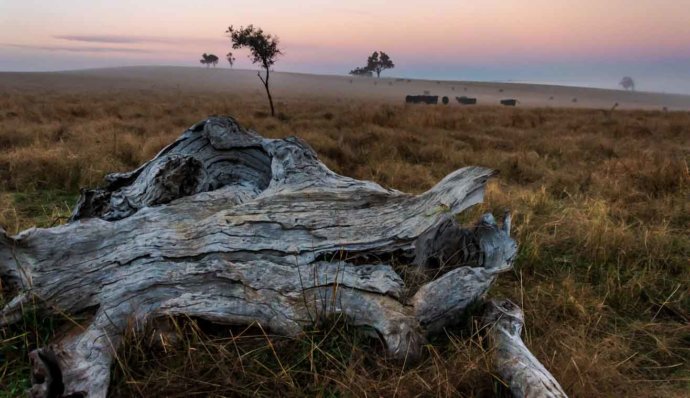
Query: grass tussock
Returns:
{"type": "Point", "coordinates": [602, 215]}
{"type": "Point", "coordinates": [334, 359]}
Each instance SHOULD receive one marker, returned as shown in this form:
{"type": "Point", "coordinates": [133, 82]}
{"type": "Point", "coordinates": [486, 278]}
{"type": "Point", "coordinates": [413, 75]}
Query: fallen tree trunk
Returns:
{"type": "Point", "coordinates": [231, 227]}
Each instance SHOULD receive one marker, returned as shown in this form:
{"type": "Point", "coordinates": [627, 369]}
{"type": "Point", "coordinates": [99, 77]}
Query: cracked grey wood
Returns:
{"type": "Point", "coordinates": [525, 376]}
{"type": "Point", "coordinates": [229, 226]}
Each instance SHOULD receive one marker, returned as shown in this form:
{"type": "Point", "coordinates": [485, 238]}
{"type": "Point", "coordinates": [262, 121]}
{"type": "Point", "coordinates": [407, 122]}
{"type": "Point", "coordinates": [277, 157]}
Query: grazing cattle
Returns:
{"type": "Point", "coordinates": [422, 99]}
{"type": "Point", "coordinates": [509, 102]}
{"type": "Point", "coordinates": [466, 100]}
{"type": "Point", "coordinates": [445, 100]}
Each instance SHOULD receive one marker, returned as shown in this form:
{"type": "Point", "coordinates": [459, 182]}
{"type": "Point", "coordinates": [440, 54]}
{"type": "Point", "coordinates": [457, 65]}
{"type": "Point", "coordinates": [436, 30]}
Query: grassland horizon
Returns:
{"type": "Point", "coordinates": [290, 85]}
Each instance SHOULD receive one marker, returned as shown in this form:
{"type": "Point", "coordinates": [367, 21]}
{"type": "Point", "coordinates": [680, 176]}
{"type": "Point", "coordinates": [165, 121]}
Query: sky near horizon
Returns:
{"type": "Point", "coordinates": [580, 42]}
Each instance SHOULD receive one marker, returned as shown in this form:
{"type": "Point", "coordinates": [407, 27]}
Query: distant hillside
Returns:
{"type": "Point", "coordinates": [286, 85]}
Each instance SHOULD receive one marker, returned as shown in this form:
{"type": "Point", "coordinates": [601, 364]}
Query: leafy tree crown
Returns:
{"type": "Point", "coordinates": [376, 62]}
{"type": "Point", "coordinates": [263, 46]}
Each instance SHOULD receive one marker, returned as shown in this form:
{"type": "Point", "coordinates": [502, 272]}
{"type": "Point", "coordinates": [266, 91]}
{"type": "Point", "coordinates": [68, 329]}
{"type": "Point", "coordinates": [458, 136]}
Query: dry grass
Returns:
{"type": "Point", "coordinates": [602, 207]}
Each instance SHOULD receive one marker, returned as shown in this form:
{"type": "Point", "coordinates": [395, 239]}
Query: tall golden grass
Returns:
{"type": "Point", "coordinates": [602, 215]}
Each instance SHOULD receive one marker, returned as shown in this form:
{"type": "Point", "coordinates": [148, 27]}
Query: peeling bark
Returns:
{"type": "Point", "coordinates": [231, 227]}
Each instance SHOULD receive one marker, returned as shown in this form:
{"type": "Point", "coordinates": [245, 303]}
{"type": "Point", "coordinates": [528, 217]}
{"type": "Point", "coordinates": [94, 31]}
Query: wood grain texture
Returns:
{"type": "Point", "coordinates": [524, 375]}
{"type": "Point", "coordinates": [231, 227]}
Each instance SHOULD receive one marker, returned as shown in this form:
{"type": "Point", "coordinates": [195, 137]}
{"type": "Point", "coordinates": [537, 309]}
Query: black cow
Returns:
{"type": "Point", "coordinates": [422, 99]}
{"type": "Point", "coordinates": [466, 100]}
{"type": "Point", "coordinates": [444, 100]}
{"type": "Point", "coordinates": [509, 102]}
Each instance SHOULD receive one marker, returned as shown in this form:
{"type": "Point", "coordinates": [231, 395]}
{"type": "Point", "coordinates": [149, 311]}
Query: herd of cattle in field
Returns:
{"type": "Point", "coordinates": [433, 100]}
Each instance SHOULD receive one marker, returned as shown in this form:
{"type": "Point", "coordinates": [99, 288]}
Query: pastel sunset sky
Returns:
{"type": "Point", "coordinates": [584, 42]}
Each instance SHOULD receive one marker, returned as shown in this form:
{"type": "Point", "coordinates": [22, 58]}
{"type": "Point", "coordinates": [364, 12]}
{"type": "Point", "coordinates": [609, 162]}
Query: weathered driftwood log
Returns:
{"type": "Point", "coordinates": [234, 228]}
{"type": "Point", "coordinates": [524, 374]}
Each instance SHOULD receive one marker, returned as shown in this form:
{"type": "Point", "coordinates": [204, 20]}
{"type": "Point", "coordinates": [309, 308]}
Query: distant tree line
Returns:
{"type": "Point", "coordinates": [264, 51]}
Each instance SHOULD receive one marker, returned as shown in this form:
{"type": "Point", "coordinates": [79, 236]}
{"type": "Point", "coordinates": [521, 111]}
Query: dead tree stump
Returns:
{"type": "Point", "coordinates": [231, 227]}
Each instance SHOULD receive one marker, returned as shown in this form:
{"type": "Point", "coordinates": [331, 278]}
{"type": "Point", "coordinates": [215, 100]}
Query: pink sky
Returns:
{"type": "Point", "coordinates": [332, 37]}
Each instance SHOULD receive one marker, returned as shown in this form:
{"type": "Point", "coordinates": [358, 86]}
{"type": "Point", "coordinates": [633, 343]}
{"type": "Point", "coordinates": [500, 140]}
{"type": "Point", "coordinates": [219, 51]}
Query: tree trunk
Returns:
{"type": "Point", "coordinates": [231, 227]}
{"type": "Point", "coordinates": [268, 92]}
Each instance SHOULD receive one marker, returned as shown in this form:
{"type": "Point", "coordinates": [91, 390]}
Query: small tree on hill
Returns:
{"type": "Point", "coordinates": [214, 60]}
{"type": "Point", "coordinates": [230, 58]}
{"type": "Point", "coordinates": [204, 60]}
{"type": "Point", "coordinates": [264, 51]}
{"type": "Point", "coordinates": [627, 83]}
{"type": "Point", "coordinates": [208, 60]}
{"type": "Point", "coordinates": [378, 62]}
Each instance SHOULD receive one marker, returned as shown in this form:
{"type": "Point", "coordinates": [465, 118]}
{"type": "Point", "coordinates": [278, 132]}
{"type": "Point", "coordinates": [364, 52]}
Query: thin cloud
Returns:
{"type": "Point", "coordinates": [104, 38]}
{"type": "Point", "coordinates": [80, 49]}
{"type": "Point", "coordinates": [131, 39]}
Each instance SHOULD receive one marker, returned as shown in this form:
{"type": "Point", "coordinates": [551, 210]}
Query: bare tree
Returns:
{"type": "Point", "coordinates": [230, 58]}
{"type": "Point", "coordinates": [627, 83]}
{"type": "Point", "coordinates": [264, 51]}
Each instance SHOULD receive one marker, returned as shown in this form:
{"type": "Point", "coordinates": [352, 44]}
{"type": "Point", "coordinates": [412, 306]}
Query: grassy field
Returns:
{"type": "Point", "coordinates": [602, 215]}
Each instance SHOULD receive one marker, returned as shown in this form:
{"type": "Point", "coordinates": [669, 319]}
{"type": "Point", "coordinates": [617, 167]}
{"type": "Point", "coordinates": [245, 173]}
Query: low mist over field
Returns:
{"type": "Point", "coordinates": [299, 85]}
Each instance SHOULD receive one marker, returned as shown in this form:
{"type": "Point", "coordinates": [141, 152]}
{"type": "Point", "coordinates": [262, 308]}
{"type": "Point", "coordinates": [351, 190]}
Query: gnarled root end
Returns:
{"type": "Point", "coordinates": [399, 330]}
{"type": "Point", "coordinates": [10, 277]}
{"type": "Point", "coordinates": [57, 371]}
{"type": "Point", "coordinates": [10, 282]}
{"type": "Point", "coordinates": [517, 366]}
{"type": "Point", "coordinates": [484, 251]}
{"type": "Point", "coordinates": [78, 364]}
{"type": "Point", "coordinates": [46, 376]}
